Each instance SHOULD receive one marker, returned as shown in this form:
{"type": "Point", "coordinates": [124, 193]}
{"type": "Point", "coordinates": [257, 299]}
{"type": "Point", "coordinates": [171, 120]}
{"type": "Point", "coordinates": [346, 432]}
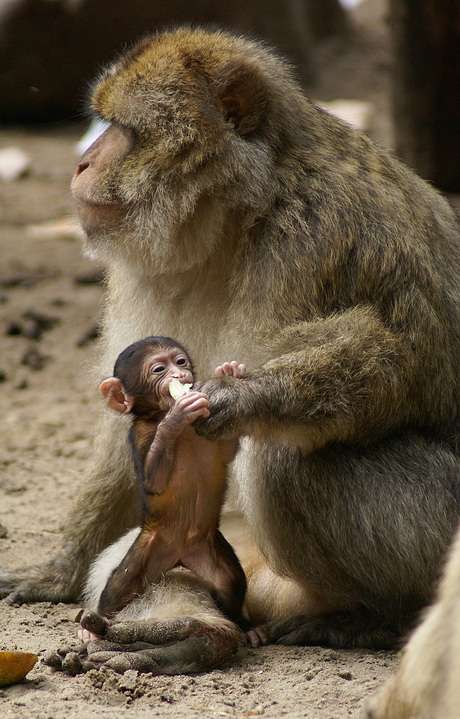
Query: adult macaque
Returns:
{"type": "Point", "coordinates": [233, 213]}
{"type": "Point", "coordinates": [182, 478]}
{"type": "Point", "coordinates": [427, 684]}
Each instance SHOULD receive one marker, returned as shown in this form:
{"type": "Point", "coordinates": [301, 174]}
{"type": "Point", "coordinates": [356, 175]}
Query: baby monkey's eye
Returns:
{"type": "Point", "coordinates": [181, 361]}
{"type": "Point", "coordinates": [158, 368]}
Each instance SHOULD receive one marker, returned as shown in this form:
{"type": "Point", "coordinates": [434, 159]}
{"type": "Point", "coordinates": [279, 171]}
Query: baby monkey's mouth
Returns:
{"type": "Point", "coordinates": [177, 388]}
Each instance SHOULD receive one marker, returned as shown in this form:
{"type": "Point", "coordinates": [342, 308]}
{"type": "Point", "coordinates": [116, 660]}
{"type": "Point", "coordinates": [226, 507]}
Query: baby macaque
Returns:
{"type": "Point", "coordinates": [182, 477]}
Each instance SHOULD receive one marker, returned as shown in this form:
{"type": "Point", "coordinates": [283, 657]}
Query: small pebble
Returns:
{"type": "Point", "coordinates": [34, 359]}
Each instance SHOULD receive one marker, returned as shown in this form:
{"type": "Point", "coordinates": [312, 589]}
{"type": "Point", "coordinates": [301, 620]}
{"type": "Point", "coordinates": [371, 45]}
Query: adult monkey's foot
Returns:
{"type": "Point", "coordinates": [43, 583]}
{"type": "Point", "coordinates": [179, 646]}
{"type": "Point", "coordinates": [339, 630]}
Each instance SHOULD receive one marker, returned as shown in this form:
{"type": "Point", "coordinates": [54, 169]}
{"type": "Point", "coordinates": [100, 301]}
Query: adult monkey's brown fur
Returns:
{"type": "Point", "coordinates": [235, 215]}
{"type": "Point", "coordinates": [426, 685]}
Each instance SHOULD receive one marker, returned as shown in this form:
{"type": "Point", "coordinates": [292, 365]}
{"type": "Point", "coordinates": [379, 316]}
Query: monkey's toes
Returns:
{"type": "Point", "coordinates": [53, 660]}
{"type": "Point", "coordinates": [15, 599]}
{"type": "Point", "coordinates": [257, 636]}
{"type": "Point", "coordinates": [8, 583]}
{"type": "Point", "coordinates": [183, 646]}
{"type": "Point", "coordinates": [71, 664]}
{"type": "Point", "coordinates": [94, 623]}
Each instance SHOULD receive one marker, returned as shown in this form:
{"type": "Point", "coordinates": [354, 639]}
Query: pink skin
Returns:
{"type": "Point", "coordinates": [187, 408]}
{"type": "Point", "coordinates": [231, 369]}
{"type": "Point", "coordinates": [190, 406]}
{"type": "Point", "coordinates": [86, 636]}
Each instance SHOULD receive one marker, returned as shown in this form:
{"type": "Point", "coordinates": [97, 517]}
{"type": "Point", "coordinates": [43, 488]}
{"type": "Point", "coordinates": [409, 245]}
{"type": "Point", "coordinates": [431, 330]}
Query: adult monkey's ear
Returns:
{"type": "Point", "coordinates": [115, 395]}
{"type": "Point", "coordinates": [243, 98]}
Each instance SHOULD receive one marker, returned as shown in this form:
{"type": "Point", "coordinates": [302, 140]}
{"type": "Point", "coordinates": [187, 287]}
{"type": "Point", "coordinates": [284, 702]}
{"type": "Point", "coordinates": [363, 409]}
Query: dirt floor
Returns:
{"type": "Point", "coordinates": [49, 304]}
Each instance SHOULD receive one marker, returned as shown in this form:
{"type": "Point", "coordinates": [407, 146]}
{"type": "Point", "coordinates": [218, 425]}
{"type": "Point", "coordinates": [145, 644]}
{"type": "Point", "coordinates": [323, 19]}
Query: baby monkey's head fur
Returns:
{"type": "Point", "coordinates": [129, 363]}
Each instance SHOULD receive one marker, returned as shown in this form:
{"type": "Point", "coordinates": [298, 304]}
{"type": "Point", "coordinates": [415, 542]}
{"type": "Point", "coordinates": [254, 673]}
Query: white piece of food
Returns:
{"type": "Point", "coordinates": [177, 389]}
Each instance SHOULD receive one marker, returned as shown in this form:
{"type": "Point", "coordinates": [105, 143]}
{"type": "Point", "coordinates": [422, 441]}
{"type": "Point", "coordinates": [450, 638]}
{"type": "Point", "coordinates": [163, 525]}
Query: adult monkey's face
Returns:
{"type": "Point", "coordinates": [185, 150]}
{"type": "Point", "coordinates": [97, 200]}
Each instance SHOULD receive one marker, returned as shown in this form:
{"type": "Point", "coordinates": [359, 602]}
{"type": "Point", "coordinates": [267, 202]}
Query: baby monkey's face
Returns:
{"type": "Point", "coordinates": [164, 365]}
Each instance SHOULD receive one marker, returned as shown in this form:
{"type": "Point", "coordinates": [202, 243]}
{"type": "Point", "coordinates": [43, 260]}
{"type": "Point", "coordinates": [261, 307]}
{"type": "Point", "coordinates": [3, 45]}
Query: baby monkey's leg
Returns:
{"type": "Point", "coordinates": [157, 633]}
{"type": "Point", "coordinates": [216, 562]}
{"type": "Point", "coordinates": [145, 562]}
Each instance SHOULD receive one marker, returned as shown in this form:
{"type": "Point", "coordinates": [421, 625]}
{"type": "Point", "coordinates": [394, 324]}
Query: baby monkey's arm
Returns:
{"type": "Point", "coordinates": [159, 462]}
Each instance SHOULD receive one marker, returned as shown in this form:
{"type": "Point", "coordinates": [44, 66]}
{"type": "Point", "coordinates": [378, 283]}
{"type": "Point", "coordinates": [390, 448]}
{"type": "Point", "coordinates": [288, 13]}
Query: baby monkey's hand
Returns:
{"type": "Point", "coordinates": [231, 369]}
{"type": "Point", "coordinates": [187, 408]}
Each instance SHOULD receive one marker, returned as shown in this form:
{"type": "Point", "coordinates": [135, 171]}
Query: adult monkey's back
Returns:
{"type": "Point", "coordinates": [235, 215]}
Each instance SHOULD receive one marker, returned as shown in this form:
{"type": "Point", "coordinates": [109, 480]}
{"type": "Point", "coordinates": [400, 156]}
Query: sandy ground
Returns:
{"type": "Point", "coordinates": [49, 410]}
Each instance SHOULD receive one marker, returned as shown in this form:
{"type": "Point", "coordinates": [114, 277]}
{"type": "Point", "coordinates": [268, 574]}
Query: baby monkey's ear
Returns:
{"type": "Point", "coordinates": [115, 395]}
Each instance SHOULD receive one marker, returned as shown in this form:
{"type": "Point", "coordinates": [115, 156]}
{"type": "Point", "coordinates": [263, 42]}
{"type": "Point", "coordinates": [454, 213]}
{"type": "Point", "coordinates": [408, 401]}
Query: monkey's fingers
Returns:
{"type": "Point", "coordinates": [228, 405]}
{"type": "Point", "coordinates": [343, 629]}
{"type": "Point", "coordinates": [204, 412]}
{"type": "Point", "coordinates": [71, 664]}
{"type": "Point", "coordinates": [180, 646]}
{"type": "Point", "coordinates": [257, 636]}
{"type": "Point", "coordinates": [192, 400]}
{"type": "Point", "coordinates": [98, 646]}
{"type": "Point", "coordinates": [225, 369]}
{"type": "Point", "coordinates": [239, 371]}
{"type": "Point", "coordinates": [231, 369]}
{"type": "Point", "coordinates": [53, 660]}
{"type": "Point", "coordinates": [284, 631]}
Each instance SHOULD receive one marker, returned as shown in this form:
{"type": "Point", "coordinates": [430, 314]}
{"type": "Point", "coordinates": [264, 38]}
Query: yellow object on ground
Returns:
{"type": "Point", "coordinates": [14, 666]}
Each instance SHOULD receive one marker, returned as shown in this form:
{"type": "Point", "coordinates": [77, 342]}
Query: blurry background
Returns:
{"type": "Point", "coordinates": [51, 49]}
{"type": "Point", "coordinates": [390, 67]}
